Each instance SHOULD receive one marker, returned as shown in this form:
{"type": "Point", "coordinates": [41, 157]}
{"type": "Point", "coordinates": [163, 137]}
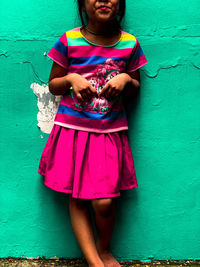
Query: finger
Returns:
{"type": "Point", "coordinates": [84, 96]}
{"type": "Point", "coordinates": [79, 97]}
{"type": "Point", "coordinates": [112, 92]}
{"type": "Point", "coordinates": [115, 93]}
{"type": "Point", "coordinates": [89, 94]}
{"type": "Point", "coordinates": [109, 92]}
{"type": "Point", "coordinates": [92, 91]}
{"type": "Point", "coordinates": [104, 89]}
{"type": "Point", "coordinates": [92, 95]}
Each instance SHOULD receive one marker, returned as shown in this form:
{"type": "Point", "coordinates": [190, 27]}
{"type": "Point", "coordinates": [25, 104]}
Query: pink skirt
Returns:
{"type": "Point", "coordinates": [87, 165]}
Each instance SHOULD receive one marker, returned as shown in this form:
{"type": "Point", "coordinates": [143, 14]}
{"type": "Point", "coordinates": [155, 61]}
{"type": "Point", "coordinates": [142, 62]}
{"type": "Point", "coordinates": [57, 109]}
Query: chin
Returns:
{"type": "Point", "coordinates": [105, 18]}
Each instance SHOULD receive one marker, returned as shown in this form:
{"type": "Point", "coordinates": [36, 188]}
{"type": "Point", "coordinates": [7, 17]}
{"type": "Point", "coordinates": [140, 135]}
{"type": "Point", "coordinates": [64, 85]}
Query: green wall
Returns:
{"type": "Point", "coordinates": [158, 220]}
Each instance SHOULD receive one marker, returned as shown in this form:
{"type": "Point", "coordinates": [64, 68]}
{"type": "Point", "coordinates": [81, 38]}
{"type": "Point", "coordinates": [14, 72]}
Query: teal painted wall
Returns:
{"type": "Point", "coordinates": [159, 219]}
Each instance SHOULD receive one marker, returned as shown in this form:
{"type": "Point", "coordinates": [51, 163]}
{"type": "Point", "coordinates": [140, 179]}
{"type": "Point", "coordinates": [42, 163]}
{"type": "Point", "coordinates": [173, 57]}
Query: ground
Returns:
{"type": "Point", "coordinates": [42, 262]}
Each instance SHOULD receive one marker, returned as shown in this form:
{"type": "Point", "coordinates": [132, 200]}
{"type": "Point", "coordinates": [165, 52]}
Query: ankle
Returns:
{"type": "Point", "coordinates": [96, 264]}
{"type": "Point", "coordinates": [102, 249]}
{"type": "Point", "coordinates": [95, 261]}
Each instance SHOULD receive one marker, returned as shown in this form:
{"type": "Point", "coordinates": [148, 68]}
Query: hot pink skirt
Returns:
{"type": "Point", "coordinates": [87, 165]}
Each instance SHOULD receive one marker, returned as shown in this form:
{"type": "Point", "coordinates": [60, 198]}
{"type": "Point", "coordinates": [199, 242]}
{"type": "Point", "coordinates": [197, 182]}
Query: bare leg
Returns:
{"type": "Point", "coordinates": [82, 227]}
{"type": "Point", "coordinates": [104, 217]}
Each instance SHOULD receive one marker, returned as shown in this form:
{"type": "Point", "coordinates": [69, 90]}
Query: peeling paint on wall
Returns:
{"type": "Point", "coordinates": [47, 105]}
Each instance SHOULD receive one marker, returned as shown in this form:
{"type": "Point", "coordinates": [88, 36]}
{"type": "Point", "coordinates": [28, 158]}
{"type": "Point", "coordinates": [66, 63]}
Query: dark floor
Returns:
{"type": "Point", "coordinates": [41, 262]}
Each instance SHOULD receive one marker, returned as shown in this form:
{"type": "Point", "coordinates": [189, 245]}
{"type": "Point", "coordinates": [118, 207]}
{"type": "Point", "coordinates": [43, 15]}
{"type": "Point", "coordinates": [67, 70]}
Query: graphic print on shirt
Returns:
{"type": "Point", "coordinates": [102, 74]}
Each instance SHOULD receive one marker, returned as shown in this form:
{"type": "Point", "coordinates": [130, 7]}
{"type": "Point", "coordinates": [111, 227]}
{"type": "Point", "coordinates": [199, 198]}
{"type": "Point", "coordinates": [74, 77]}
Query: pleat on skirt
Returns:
{"type": "Point", "coordinates": [87, 165]}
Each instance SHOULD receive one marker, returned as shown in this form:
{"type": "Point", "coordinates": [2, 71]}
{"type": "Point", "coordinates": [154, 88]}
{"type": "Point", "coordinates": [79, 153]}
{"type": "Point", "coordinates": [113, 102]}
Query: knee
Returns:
{"type": "Point", "coordinates": [78, 203]}
{"type": "Point", "coordinates": [103, 207]}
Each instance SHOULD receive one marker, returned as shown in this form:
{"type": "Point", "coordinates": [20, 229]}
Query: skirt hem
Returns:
{"type": "Point", "coordinates": [104, 195]}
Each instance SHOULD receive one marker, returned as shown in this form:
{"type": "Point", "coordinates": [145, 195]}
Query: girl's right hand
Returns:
{"type": "Point", "coordinates": [83, 89]}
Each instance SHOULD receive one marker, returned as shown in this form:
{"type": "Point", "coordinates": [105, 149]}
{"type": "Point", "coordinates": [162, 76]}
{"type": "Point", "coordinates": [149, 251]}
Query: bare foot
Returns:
{"type": "Point", "coordinates": [97, 265]}
{"type": "Point", "coordinates": [108, 259]}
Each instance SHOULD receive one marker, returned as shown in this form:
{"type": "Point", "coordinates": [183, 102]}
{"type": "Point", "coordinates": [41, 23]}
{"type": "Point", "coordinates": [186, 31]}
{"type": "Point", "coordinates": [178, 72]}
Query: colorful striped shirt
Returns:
{"type": "Point", "coordinates": [98, 64]}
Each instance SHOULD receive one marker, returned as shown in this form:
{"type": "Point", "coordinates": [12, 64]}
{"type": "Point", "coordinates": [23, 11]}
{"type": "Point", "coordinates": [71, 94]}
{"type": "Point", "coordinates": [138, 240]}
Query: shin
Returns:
{"type": "Point", "coordinates": [82, 227]}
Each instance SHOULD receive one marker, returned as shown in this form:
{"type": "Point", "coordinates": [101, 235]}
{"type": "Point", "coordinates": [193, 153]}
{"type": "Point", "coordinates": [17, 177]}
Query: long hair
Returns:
{"type": "Point", "coordinates": [120, 15]}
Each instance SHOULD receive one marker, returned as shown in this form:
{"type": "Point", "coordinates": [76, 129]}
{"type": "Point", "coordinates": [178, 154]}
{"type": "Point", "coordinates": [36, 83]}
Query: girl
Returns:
{"type": "Point", "coordinates": [88, 154]}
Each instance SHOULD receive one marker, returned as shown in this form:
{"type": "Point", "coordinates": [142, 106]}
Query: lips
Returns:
{"type": "Point", "coordinates": [104, 8]}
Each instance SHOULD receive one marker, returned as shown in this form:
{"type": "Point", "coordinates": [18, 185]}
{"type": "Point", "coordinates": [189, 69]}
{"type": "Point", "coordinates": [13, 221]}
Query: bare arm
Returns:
{"type": "Point", "coordinates": [133, 86]}
{"type": "Point", "coordinates": [60, 82]}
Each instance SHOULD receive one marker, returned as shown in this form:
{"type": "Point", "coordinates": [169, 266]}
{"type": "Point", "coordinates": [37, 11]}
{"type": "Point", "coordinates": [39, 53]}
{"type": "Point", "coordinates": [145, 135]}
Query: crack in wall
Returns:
{"type": "Point", "coordinates": [34, 71]}
{"type": "Point", "coordinates": [155, 73]}
{"type": "Point", "coordinates": [3, 53]}
{"type": "Point", "coordinates": [152, 71]}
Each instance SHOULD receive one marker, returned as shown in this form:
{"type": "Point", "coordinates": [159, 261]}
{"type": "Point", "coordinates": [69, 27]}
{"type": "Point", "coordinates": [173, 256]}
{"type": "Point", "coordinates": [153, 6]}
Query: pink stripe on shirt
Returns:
{"type": "Point", "coordinates": [56, 56]}
{"type": "Point", "coordinates": [86, 51]}
{"type": "Point", "coordinates": [63, 39]}
{"type": "Point", "coordinates": [100, 126]}
{"type": "Point", "coordinates": [138, 63]}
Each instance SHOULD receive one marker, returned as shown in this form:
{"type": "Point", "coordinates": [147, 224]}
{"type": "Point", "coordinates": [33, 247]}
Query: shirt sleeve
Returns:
{"type": "Point", "coordinates": [59, 52]}
{"type": "Point", "coordinates": [137, 58]}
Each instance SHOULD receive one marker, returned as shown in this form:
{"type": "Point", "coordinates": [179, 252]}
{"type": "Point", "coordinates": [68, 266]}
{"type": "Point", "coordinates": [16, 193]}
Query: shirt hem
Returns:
{"type": "Point", "coordinates": [56, 61]}
{"type": "Point", "coordinates": [138, 67]}
{"type": "Point", "coordinates": [91, 130]}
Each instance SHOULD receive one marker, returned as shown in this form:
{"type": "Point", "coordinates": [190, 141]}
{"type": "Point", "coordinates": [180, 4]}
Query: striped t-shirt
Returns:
{"type": "Point", "coordinates": [98, 64]}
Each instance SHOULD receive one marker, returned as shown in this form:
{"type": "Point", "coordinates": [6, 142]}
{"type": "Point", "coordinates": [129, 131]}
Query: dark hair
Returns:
{"type": "Point", "coordinates": [121, 13]}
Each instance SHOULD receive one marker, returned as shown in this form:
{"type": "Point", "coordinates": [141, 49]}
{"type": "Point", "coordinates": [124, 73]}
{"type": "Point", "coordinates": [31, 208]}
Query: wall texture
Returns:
{"type": "Point", "coordinates": [159, 219]}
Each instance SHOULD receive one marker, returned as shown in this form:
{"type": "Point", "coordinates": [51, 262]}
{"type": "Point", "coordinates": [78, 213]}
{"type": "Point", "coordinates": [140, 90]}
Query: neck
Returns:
{"type": "Point", "coordinates": [102, 28]}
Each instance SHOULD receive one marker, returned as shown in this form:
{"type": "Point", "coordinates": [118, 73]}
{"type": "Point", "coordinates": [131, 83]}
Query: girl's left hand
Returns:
{"type": "Point", "coordinates": [115, 86]}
